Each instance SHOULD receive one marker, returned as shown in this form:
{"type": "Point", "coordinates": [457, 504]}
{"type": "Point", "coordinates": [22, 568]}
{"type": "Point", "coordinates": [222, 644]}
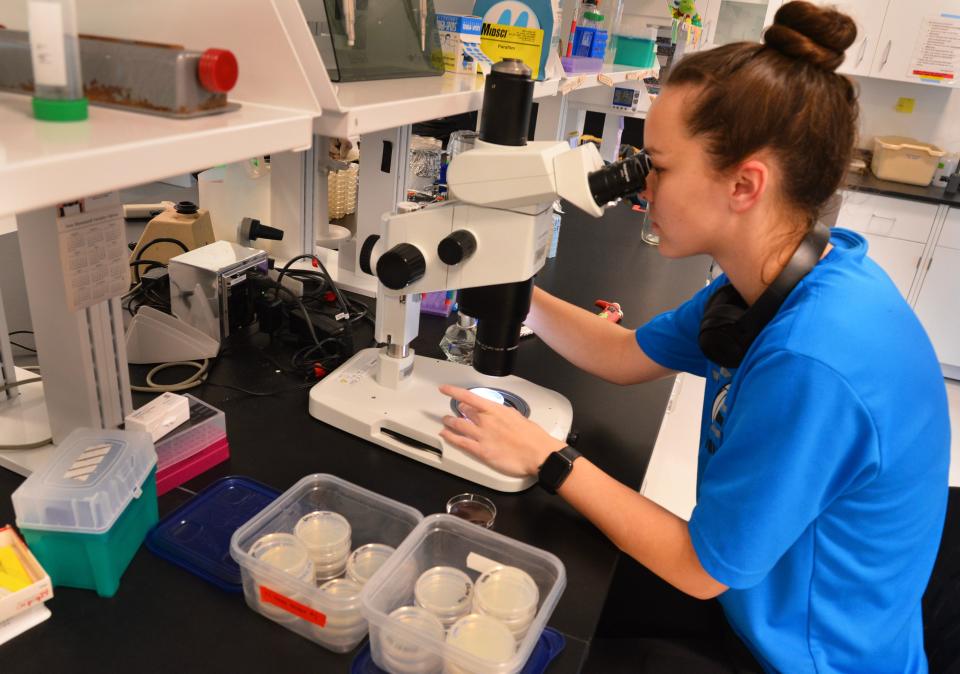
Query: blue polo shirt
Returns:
{"type": "Point", "coordinates": [822, 471]}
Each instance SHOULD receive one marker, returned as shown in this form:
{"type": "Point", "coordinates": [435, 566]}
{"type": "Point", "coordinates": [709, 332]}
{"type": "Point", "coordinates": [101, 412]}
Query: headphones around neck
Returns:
{"type": "Point", "coordinates": [729, 326]}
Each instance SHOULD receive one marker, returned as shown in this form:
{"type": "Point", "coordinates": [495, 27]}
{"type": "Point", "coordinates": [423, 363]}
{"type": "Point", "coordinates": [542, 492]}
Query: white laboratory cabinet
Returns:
{"type": "Point", "coordinates": [889, 33]}
{"type": "Point", "coordinates": [918, 245]}
{"type": "Point", "coordinates": [936, 302]}
{"type": "Point", "coordinates": [896, 231]}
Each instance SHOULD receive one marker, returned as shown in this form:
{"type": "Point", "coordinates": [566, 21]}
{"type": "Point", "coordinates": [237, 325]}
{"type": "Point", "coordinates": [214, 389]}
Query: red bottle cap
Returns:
{"type": "Point", "coordinates": [218, 70]}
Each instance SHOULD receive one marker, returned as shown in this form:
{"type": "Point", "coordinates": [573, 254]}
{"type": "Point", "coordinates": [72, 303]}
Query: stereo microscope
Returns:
{"type": "Point", "coordinates": [488, 241]}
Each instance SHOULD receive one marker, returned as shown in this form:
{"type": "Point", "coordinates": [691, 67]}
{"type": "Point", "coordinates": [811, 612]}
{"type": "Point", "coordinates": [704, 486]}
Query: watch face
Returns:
{"type": "Point", "coordinates": [554, 469]}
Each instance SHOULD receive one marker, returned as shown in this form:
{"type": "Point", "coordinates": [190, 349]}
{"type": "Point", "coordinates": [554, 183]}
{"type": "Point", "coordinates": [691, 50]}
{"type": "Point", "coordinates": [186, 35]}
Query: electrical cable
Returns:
{"type": "Point", "coordinates": [162, 239]}
{"type": "Point", "coordinates": [20, 332]}
{"type": "Point", "coordinates": [28, 445]}
{"type": "Point", "coordinates": [21, 346]}
{"type": "Point", "coordinates": [22, 382]}
{"type": "Point", "coordinates": [194, 380]}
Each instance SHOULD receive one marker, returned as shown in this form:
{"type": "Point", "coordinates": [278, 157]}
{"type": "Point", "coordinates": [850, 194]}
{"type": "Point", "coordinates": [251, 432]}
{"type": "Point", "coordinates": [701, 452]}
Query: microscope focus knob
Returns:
{"type": "Point", "coordinates": [366, 250]}
{"type": "Point", "coordinates": [400, 266]}
{"type": "Point", "coordinates": [457, 247]}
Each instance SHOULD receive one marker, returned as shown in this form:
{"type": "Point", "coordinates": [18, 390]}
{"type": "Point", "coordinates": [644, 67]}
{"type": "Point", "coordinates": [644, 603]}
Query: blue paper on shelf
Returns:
{"type": "Point", "coordinates": [549, 645]}
{"type": "Point", "coordinates": [196, 536]}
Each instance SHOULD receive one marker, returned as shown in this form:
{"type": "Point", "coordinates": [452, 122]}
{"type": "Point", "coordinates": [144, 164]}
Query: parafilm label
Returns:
{"type": "Point", "coordinates": [268, 596]}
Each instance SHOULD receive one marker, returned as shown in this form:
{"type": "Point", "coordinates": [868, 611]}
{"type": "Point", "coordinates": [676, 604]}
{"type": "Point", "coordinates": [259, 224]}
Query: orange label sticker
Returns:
{"type": "Point", "coordinates": [268, 596]}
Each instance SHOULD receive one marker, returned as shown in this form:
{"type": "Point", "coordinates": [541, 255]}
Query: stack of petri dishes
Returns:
{"type": "Point", "coordinates": [405, 656]}
{"type": "Point", "coordinates": [344, 622]}
{"type": "Point", "coordinates": [482, 636]}
{"type": "Point", "coordinates": [444, 591]}
{"type": "Point", "coordinates": [508, 594]}
{"type": "Point", "coordinates": [365, 560]}
{"type": "Point", "coordinates": [288, 554]}
{"type": "Point", "coordinates": [326, 535]}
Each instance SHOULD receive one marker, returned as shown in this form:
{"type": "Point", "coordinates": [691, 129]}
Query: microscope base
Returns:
{"type": "Point", "coordinates": [408, 420]}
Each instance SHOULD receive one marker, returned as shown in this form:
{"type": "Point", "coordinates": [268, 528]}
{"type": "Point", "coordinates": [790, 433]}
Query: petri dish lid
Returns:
{"type": "Point", "coordinates": [506, 592]}
{"type": "Point", "coordinates": [282, 551]}
{"type": "Point", "coordinates": [92, 478]}
{"type": "Point", "coordinates": [443, 590]}
{"type": "Point", "coordinates": [323, 531]}
{"type": "Point", "coordinates": [341, 588]}
{"type": "Point", "coordinates": [549, 646]}
{"type": "Point", "coordinates": [482, 636]}
{"type": "Point", "coordinates": [196, 536]}
{"type": "Point", "coordinates": [365, 560]}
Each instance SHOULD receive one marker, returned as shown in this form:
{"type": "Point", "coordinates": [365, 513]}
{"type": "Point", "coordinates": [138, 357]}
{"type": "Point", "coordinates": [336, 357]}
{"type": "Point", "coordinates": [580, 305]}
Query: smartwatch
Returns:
{"type": "Point", "coordinates": [556, 468]}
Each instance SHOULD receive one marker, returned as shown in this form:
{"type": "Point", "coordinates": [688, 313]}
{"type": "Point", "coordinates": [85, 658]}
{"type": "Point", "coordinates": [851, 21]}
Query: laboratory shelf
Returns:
{"type": "Point", "coordinates": [44, 163]}
{"type": "Point", "coordinates": [365, 107]}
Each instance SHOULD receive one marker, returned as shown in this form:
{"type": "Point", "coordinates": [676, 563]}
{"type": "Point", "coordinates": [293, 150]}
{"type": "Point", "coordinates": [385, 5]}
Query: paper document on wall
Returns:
{"type": "Point", "coordinates": [936, 55]}
{"type": "Point", "coordinates": [93, 253]}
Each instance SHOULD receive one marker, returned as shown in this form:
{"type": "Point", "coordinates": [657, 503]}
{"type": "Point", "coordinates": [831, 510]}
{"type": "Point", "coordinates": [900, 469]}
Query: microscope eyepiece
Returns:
{"type": "Point", "coordinates": [620, 179]}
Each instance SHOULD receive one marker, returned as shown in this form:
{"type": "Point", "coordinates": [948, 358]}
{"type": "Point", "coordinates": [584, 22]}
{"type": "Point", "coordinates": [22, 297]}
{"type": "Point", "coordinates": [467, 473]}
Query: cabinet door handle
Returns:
{"type": "Point", "coordinates": [863, 50]}
{"type": "Point", "coordinates": [886, 54]}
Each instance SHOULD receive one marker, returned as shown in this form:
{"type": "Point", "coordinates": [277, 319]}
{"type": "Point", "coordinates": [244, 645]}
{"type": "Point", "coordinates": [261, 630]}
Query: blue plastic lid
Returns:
{"type": "Point", "coordinates": [549, 645]}
{"type": "Point", "coordinates": [196, 536]}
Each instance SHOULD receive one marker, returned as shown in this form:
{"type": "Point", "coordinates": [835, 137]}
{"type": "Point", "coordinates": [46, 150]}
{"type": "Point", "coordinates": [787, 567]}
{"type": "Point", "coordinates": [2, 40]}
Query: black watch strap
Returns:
{"type": "Point", "coordinates": [555, 470]}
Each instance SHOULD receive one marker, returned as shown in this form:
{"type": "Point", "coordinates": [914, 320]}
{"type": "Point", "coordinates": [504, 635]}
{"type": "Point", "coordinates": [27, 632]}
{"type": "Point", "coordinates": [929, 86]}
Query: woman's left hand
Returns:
{"type": "Point", "coordinates": [498, 436]}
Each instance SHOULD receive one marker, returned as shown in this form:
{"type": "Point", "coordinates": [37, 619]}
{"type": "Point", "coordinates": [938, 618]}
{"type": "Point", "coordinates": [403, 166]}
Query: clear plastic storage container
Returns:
{"type": "Point", "coordinates": [905, 160]}
{"type": "Point", "coordinates": [193, 447]}
{"type": "Point", "coordinates": [448, 541]}
{"type": "Point", "coordinates": [85, 514]}
{"type": "Point", "coordinates": [328, 611]}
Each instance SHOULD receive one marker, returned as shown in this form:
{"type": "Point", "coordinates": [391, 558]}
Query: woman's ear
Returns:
{"type": "Point", "coordinates": [751, 180]}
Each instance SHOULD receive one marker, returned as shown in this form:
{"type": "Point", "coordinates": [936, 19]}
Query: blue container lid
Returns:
{"type": "Point", "coordinates": [196, 536]}
{"type": "Point", "coordinates": [549, 645]}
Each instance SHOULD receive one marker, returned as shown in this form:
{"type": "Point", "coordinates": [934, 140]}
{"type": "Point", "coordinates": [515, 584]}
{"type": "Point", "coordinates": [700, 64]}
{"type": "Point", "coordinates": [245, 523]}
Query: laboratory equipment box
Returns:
{"type": "Point", "coordinates": [290, 581]}
{"type": "Point", "coordinates": [36, 592]}
{"type": "Point", "coordinates": [193, 447]}
{"type": "Point", "coordinates": [85, 514]}
{"type": "Point", "coordinates": [905, 160]}
{"type": "Point", "coordinates": [453, 546]}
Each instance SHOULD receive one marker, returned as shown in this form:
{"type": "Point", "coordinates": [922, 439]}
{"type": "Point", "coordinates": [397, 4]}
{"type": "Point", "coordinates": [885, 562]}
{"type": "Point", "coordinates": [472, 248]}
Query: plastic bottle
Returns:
{"type": "Point", "coordinates": [460, 339]}
{"type": "Point", "coordinates": [55, 54]}
{"type": "Point", "coordinates": [590, 38]}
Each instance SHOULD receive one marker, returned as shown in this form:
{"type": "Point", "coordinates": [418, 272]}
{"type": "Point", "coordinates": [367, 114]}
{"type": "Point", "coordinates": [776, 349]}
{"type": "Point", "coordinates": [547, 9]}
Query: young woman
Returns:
{"type": "Point", "coordinates": [822, 479]}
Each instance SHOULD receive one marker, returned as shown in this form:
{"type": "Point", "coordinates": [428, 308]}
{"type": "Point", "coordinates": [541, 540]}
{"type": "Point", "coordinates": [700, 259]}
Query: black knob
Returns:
{"type": "Point", "coordinates": [253, 229]}
{"type": "Point", "coordinates": [185, 207]}
{"type": "Point", "coordinates": [366, 250]}
{"type": "Point", "coordinates": [457, 247]}
{"type": "Point", "coordinates": [400, 266]}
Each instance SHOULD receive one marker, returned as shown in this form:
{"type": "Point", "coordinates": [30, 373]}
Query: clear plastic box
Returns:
{"type": "Point", "coordinates": [193, 447]}
{"type": "Point", "coordinates": [328, 614]}
{"type": "Point", "coordinates": [445, 540]}
{"type": "Point", "coordinates": [85, 514]}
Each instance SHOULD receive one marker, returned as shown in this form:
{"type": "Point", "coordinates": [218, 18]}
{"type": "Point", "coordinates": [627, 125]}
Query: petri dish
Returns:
{"type": "Point", "coordinates": [473, 508]}
{"type": "Point", "coordinates": [403, 654]}
{"type": "Point", "coordinates": [284, 552]}
{"type": "Point", "coordinates": [365, 560]}
{"type": "Point", "coordinates": [444, 591]}
{"type": "Point", "coordinates": [325, 533]}
{"type": "Point", "coordinates": [506, 592]}
{"type": "Point", "coordinates": [482, 636]}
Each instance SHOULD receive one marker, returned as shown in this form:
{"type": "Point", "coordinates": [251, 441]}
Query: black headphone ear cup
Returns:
{"type": "Point", "coordinates": [720, 337]}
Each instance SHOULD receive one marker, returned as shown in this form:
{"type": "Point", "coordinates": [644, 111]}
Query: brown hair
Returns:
{"type": "Point", "coordinates": [782, 96]}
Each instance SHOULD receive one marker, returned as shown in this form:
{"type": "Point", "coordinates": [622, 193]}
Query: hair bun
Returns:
{"type": "Point", "coordinates": [818, 35]}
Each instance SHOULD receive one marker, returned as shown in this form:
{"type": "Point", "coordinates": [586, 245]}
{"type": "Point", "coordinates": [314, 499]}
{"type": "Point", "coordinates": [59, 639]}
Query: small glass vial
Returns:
{"type": "Point", "coordinates": [460, 339]}
{"type": "Point", "coordinates": [55, 54]}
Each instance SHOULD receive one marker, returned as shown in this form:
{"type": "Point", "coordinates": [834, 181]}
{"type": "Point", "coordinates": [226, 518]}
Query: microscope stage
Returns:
{"type": "Point", "coordinates": [408, 420]}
